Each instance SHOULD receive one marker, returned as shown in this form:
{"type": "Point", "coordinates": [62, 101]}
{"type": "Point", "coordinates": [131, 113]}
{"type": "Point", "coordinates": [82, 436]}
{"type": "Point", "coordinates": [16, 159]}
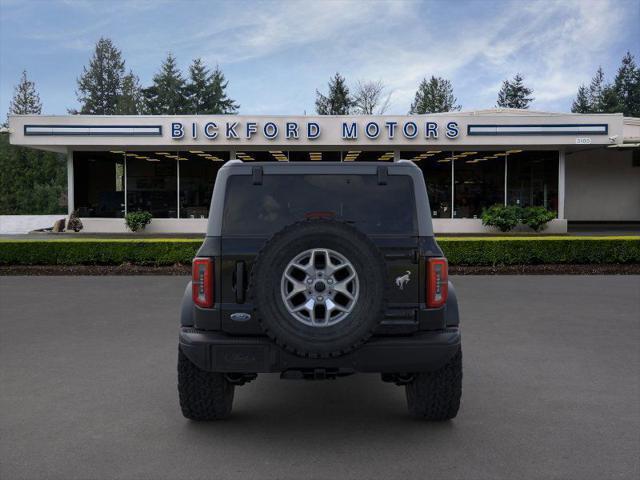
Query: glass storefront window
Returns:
{"type": "Point", "coordinates": [197, 174]}
{"type": "Point", "coordinates": [436, 169]}
{"type": "Point", "coordinates": [152, 184]}
{"type": "Point", "coordinates": [532, 179]}
{"type": "Point", "coordinates": [478, 182]}
{"type": "Point", "coordinates": [99, 184]}
{"type": "Point", "coordinates": [152, 179]}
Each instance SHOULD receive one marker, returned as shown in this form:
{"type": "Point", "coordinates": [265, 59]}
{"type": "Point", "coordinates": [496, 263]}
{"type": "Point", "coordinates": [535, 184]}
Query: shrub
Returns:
{"type": "Point", "coordinates": [137, 220]}
{"type": "Point", "coordinates": [537, 217]}
{"type": "Point", "coordinates": [503, 217]}
{"type": "Point", "coordinates": [74, 223]}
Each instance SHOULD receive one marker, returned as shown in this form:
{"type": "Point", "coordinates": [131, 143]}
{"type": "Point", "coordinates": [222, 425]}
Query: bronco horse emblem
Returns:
{"type": "Point", "coordinates": [402, 280]}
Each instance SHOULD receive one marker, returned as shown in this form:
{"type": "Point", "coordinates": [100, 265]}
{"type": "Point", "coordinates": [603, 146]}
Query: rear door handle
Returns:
{"type": "Point", "coordinates": [240, 282]}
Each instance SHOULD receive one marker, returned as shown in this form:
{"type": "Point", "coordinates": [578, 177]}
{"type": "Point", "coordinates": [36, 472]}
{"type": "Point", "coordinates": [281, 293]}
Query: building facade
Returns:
{"type": "Point", "coordinates": [583, 167]}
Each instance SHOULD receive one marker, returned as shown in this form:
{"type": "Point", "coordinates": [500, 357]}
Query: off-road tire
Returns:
{"type": "Point", "coordinates": [281, 326]}
{"type": "Point", "coordinates": [203, 395]}
{"type": "Point", "coordinates": [436, 395]}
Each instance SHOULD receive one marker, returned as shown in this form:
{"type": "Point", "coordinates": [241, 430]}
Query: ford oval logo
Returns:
{"type": "Point", "coordinates": [240, 317]}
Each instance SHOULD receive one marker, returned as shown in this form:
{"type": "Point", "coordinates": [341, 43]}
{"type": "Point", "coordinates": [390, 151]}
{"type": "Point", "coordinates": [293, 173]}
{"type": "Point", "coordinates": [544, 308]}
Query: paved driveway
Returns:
{"type": "Point", "coordinates": [551, 390]}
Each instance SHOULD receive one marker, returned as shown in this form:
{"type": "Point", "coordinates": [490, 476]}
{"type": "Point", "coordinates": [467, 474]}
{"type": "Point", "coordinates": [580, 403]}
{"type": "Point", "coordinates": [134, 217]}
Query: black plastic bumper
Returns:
{"type": "Point", "coordinates": [218, 352]}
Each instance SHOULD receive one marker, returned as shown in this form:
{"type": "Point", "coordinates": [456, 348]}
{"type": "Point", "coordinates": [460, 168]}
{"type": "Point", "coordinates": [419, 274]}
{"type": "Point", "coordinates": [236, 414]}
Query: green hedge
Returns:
{"type": "Point", "coordinates": [459, 251]}
{"type": "Point", "coordinates": [97, 252]}
{"type": "Point", "coordinates": [532, 250]}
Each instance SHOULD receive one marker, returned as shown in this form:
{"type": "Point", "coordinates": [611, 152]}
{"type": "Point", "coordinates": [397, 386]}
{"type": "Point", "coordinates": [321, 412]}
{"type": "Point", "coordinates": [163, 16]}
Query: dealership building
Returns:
{"type": "Point", "coordinates": [586, 168]}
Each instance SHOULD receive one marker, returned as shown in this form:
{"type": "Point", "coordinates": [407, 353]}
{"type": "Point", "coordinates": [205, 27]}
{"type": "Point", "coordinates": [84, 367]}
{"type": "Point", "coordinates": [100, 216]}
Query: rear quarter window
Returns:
{"type": "Point", "coordinates": [285, 199]}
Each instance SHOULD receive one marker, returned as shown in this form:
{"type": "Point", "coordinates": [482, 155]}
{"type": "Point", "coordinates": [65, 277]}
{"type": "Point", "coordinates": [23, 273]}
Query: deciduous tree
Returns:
{"type": "Point", "coordinates": [371, 98]}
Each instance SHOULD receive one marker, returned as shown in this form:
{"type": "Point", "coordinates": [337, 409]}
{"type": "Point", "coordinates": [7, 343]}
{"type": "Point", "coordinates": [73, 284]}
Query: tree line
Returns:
{"type": "Point", "coordinates": [621, 95]}
{"type": "Point", "coordinates": [33, 181]}
{"type": "Point", "coordinates": [106, 88]}
{"type": "Point", "coordinates": [435, 95]}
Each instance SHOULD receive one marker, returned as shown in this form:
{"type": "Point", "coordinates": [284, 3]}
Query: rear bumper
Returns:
{"type": "Point", "coordinates": [218, 352]}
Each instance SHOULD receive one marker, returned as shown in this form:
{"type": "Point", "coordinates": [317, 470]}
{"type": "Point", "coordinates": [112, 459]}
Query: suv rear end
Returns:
{"type": "Point", "coordinates": [318, 271]}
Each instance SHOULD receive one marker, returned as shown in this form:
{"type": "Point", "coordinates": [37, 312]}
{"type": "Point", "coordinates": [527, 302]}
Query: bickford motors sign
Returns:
{"type": "Point", "coordinates": [232, 131]}
{"type": "Point", "coordinates": [310, 130]}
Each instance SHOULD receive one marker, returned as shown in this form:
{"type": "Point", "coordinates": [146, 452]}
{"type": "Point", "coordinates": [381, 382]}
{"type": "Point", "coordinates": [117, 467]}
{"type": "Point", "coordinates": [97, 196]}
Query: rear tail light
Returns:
{"type": "Point", "coordinates": [202, 282]}
{"type": "Point", "coordinates": [437, 282]}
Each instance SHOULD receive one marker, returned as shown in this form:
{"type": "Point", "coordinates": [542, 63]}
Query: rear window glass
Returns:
{"type": "Point", "coordinates": [285, 199]}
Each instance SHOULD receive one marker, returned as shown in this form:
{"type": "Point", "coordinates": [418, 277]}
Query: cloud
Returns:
{"type": "Point", "coordinates": [277, 53]}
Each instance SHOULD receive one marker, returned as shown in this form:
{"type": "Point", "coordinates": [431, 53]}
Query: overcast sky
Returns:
{"type": "Point", "coordinates": [275, 54]}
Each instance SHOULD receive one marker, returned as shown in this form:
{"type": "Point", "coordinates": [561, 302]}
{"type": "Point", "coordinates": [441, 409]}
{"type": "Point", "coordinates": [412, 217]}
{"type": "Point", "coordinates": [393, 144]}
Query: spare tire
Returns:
{"type": "Point", "coordinates": [318, 288]}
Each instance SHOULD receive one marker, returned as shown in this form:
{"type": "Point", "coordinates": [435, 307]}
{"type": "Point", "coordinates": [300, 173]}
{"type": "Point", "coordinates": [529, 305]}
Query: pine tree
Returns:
{"type": "Point", "coordinates": [130, 101]}
{"type": "Point", "coordinates": [196, 89]}
{"type": "Point", "coordinates": [31, 181]}
{"type": "Point", "coordinates": [514, 94]}
{"type": "Point", "coordinates": [206, 92]}
{"type": "Point", "coordinates": [338, 101]}
{"type": "Point", "coordinates": [167, 95]}
{"type": "Point", "coordinates": [218, 100]}
{"type": "Point", "coordinates": [627, 86]}
{"type": "Point", "coordinates": [25, 99]}
{"type": "Point", "coordinates": [99, 86]}
{"type": "Point", "coordinates": [433, 96]}
{"type": "Point", "coordinates": [596, 91]}
{"type": "Point", "coordinates": [581, 104]}
{"type": "Point", "coordinates": [610, 101]}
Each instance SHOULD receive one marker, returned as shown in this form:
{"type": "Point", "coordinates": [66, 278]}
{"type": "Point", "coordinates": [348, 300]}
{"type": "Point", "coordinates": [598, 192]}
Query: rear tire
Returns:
{"type": "Point", "coordinates": [435, 396]}
{"type": "Point", "coordinates": [203, 395]}
{"type": "Point", "coordinates": [281, 325]}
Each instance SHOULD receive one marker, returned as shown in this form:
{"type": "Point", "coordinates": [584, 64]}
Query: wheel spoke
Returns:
{"type": "Point", "coordinates": [297, 288]}
{"type": "Point", "coordinates": [335, 267]}
{"type": "Point", "coordinates": [331, 306]}
{"type": "Point", "coordinates": [308, 306]}
{"type": "Point", "coordinates": [342, 287]}
{"type": "Point", "coordinates": [307, 269]}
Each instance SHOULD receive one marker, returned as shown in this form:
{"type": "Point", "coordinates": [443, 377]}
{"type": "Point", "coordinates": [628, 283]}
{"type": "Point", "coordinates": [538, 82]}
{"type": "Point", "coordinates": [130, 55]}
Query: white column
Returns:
{"type": "Point", "coordinates": [232, 154]}
{"type": "Point", "coordinates": [70, 189]}
{"type": "Point", "coordinates": [125, 186]}
{"type": "Point", "coordinates": [453, 184]}
{"type": "Point", "coordinates": [506, 166]}
{"type": "Point", "coordinates": [396, 155]}
{"type": "Point", "coordinates": [561, 177]}
{"type": "Point", "coordinates": [177, 188]}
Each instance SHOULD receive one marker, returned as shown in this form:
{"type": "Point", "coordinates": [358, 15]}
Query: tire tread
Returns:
{"type": "Point", "coordinates": [203, 395]}
{"type": "Point", "coordinates": [436, 395]}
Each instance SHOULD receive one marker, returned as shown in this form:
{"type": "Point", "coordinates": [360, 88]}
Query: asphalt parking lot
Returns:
{"type": "Point", "coordinates": [551, 390]}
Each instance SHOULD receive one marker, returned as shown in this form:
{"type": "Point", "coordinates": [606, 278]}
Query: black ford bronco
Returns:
{"type": "Point", "coordinates": [319, 270]}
